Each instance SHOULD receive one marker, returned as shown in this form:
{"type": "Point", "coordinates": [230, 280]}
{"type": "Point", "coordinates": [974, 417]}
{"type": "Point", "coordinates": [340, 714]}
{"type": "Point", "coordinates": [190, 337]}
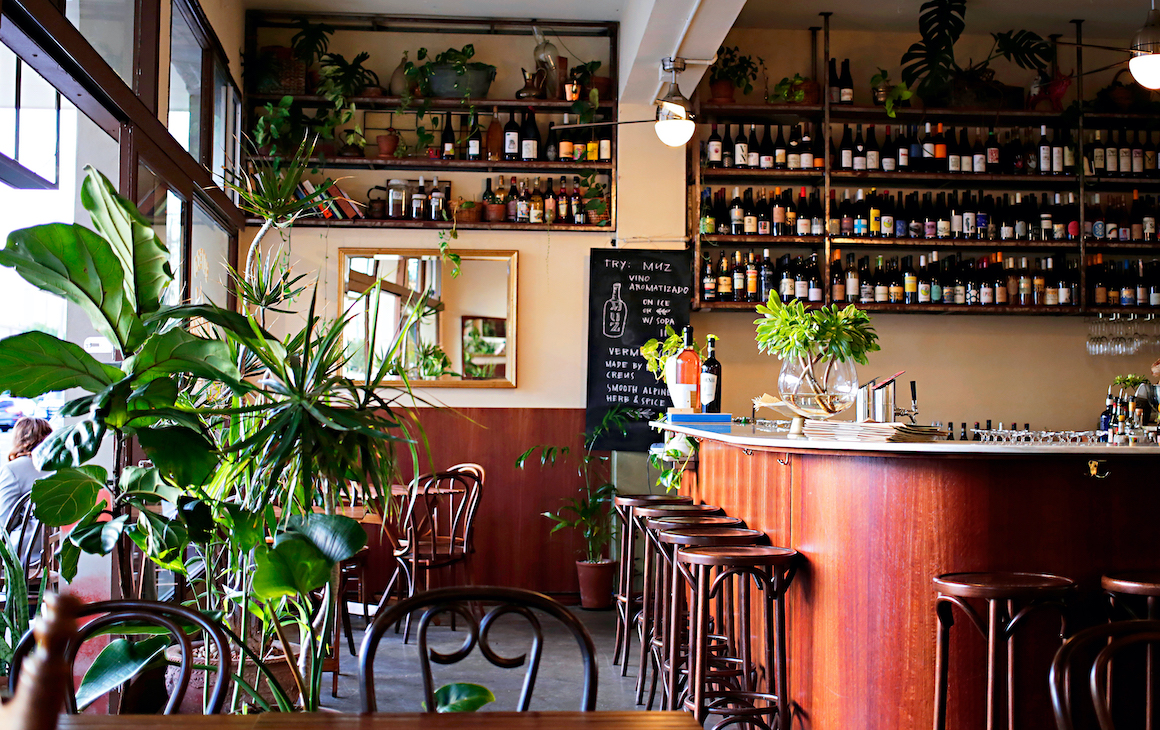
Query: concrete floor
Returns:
{"type": "Point", "coordinates": [399, 685]}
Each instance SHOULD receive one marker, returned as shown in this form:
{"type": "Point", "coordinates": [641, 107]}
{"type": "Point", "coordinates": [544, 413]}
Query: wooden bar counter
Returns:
{"type": "Point", "coordinates": [876, 522]}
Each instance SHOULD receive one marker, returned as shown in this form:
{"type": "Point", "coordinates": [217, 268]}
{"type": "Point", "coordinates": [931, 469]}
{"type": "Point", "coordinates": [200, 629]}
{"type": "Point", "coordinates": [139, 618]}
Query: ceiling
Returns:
{"type": "Point", "coordinates": [1105, 19]}
{"type": "Point", "coordinates": [548, 9]}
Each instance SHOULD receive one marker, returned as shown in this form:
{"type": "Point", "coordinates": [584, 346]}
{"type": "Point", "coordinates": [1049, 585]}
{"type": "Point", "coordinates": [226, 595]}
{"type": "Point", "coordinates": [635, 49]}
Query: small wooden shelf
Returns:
{"type": "Point", "coordinates": [845, 113]}
{"type": "Point", "coordinates": [988, 309]}
{"type": "Point", "coordinates": [747, 173]}
{"type": "Point", "coordinates": [392, 103]}
{"type": "Point", "coordinates": [952, 243]}
{"type": "Point", "coordinates": [766, 241]}
{"type": "Point", "coordinates": [1122, 245]}
{"type": "Point", "coordinates": [436, 164]}
{"type": "Point", "coordinates": [744, 306]}
{"type": "Point", "coordinates": [969, 181]}
{"type": "Point", "coordinates": [438, 225]}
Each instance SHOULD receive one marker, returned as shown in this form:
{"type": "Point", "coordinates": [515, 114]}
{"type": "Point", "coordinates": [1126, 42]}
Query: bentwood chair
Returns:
{"type": "Point", "coordinates": [1103, 642]}
{"type": "Point", "coordinates": [457, 602]}
{"type": "Point", "coordinates": [437, 527]}
{"type": "Point", "coordinates": [26, 534]}
{"type": "Point", "coordinates": [176, 620]}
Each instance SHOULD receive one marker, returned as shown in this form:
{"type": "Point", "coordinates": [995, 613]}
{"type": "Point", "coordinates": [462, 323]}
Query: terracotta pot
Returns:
{"type": "Point", "coordinates": [811, 92]}
{"type": "Point", "coordinates": [387, 143]}
{"type": "Point", "coordinates": [496, 212]}
{"type": "Point", "coordinates": [596, 581]}
{"type": "Point", "coordinates": [469, 213]}
{"type": "Point", "coordinates": [596, 218]}
{"type": "Point", "coordinates": [721, 91]}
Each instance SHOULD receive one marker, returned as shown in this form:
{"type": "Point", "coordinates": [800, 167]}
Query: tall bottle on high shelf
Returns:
{"type": "Point", "coordinates": [495, 137]}
{"type": "Point", "coordinates": [529, 138]}
{"type": "Point", "coordinates": [447, 141]}
{"type": "Point", "coordinates": [511, 138]}
{"type": "Point", "coordinates": [688, 389]}
{"type": "Point", "coordinates": [846, 84]}
{"type": "Point", "coordinates": [475, 139]}
{"type": "Point", "coordinates": [711, 379]}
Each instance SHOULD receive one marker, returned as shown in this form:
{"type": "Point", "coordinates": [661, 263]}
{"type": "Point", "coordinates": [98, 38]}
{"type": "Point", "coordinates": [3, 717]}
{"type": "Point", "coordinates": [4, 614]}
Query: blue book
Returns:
{"type": "Point", "coordinates": [700, 418]}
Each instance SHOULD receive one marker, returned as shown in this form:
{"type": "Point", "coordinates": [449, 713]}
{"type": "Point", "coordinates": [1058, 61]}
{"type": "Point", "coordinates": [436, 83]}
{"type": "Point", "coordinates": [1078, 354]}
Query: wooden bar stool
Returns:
{"type": "Point", "coordinates": [1010, 598]}
{"type": "Point", "coordinates": [623, 506]}
{"type": "Point", "coordinates": [643, 621]}
{"type": "Point", "coordinates": [1146, 584]}
{"type": "Point", "coordinates": [710, 571]}
{"type": "Point", "coordinates": [667, 656]}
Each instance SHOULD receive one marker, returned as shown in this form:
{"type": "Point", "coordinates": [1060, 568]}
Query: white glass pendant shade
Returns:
{"type": "Point", "coordinates": [673, 125]}
{"type": "Point", "coordinates": [1145, 62]}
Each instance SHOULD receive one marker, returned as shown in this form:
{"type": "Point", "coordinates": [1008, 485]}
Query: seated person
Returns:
{"type": "Point", "coordinates": [17, 476]}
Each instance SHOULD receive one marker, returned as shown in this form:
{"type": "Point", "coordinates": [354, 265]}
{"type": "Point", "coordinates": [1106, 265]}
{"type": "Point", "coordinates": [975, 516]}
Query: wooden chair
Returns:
{"type": "Point", "coordinates": [37, 701]}
{"type": "Point", "coordinates": [27, 535]}
{"type": "Point", "coordinates": [456, 602]}
{"type": "Point", "coordinates": [437, 528]}
{"type": "Point", "coordinates": [1104, 641]}
{"type": "Point", "coordinates": [174, 619]}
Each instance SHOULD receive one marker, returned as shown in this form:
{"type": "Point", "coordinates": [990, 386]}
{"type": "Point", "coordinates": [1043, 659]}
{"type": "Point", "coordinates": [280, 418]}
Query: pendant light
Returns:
{"type": "Point", "coordinates": [1145, 62]}
{"type": "Point", "coordinates": [674, 123]}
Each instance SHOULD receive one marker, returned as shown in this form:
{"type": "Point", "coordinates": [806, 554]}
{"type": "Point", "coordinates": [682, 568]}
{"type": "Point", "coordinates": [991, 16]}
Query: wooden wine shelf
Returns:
{"type": "Point", "coordinates": [1117, 309]}
{"type": "Point", "coordinates": [992, 309]}
{"type": "Point", "coordinates": [1122, 245]}
{"type": "Point", "coordinates": [745, 173]}
{"type": "Point", "coordinates": [745, 306]}
{"type": "Point", "coordinates": [844, 113]}
{"type": "Point", "coordinates": [438, 225]}
{"type": "Point", "coordinates": [436, 165]}
{"type": "Point", "coordinates": [394, 103]}
{"type": "Point", "coordinates": [767, 241]}
{"type": "Point", "coordinates": [954, 243]}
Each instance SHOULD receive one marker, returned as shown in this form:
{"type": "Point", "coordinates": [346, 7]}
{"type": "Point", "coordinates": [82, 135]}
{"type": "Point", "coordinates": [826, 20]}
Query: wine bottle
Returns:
{"type": "Point", "coordinates": [859, 154]}
{"type": "Point", "coordinates": [529, 138]}
{"type": "Point", "coordinates": [853, 285]}
{"type": "Point", "coordinates": [765, 157]}
{"type": "Point", "coordinates": [780, 151]}
{"type": "Point", "coordinates": [551, 144]}
{"type": "Point", "coordinates": [447, 140]}
{"type": "Point", "coordinates": [727, 148]}
{"type": "Point", "coordinates": [576, 203]}
{"type": "Point", "coordinates": [888, 157]}
{"type": "Point", "coordinates": [837, 278]}
{"type": "Point", "coordinates": [687, 392]}
{"type": "Point", "coordinates": [495, 137]}
{"type": "Point", "coordinates": [794, 149]}
{"type": "Point", "coordinates": [511, 138]}
{"type": "Point", "coordinates": [846, 149]}
{"type": "Point", "coordinates": [993, 165]}
{"type": "Point", "coordinates": [737, 214]}
{"type": "Point", "coordinates": [708, 280]}
{"type": "Point", "coordinates": [846, 84]}
{"type": "Point", "coordinates": [713, 148]}
{"type": "Point", "coordinates": [567, 150]}
{"type": "Point", "coordinates": [711, 378]}
{"type": "Point", "coordinates": [741, 148]}
{"type": "Point", "coordinates": [873, 153]}
{"type": "Point", "coordinates": [754, 150]}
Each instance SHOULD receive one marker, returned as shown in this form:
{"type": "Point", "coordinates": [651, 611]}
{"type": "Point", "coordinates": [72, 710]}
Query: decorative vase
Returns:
{"type": "Point", "coordinates": [547, 60]}
{"type": "Point", "coordinates": [596, 581]}
{"type": "Point", "coordinates": [447, 82]}
{"type": "Point", "coordinates": [398, 82]}
{"type": "Point", "coordinates": [721, 91]}
{"type": "Point", "coordinates": [818, 388]}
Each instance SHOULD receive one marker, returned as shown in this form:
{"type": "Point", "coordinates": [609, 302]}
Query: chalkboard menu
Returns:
{"type": "Point", "coordinates": [634, 293]}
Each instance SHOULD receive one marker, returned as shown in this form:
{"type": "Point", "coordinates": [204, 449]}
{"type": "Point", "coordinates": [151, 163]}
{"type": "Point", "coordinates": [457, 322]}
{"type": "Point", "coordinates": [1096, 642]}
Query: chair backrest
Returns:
{"type": "Point", "coordinates": [456, 600]}
{"type": "Point", "coordinates": [26, 533]}
{"type": "Point", "coordinates": [132, 614]}
{"type": "Point", "coordinates": [438, 516]}
{"type": "Point", "coordinates": [1078, 650]}
{"type": "Point", "coordinates": [476, 471]}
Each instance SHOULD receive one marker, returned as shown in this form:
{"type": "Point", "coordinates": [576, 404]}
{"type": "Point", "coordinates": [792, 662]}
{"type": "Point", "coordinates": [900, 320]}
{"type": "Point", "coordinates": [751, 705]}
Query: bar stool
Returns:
{"type": "Point", "coordinates": [772, 570]}
{"type": "Point", "coordinates": [643, 621]}
{"type": "Point", "coordinates": [1003, 592]}
{"type": "Point", "coordinates": [1145, 583]}
{"type": "Point", "coordinates": [666, 646]}
{"type": "Point", "coordinates": [623, 505]}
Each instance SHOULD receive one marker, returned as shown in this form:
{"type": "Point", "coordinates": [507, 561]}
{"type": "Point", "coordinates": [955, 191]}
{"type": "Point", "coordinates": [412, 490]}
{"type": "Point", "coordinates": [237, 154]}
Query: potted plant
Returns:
{"type": "Point", "coordinates": [589, 512]}
{"type": "Point", "coordinates": [431, 362]}
{"type": "Point", "coordinates": [930, 69]}
{"type": "Point", "coordinates": [310, 44]}
{"type": "Point", "coordinates": [595, 199]}
{"type": "Point", "coordinates": [731, 71]}
{"type": "Point", "coordinates": [818, 350]}
{"type": "Point", "coordinates": [886, 94]}
{"type": "Point", "coordinates": [452, 74]}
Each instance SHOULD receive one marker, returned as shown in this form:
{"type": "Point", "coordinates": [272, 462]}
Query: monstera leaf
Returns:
{"type": "Point", "coordinates": [928, 64]}
{"type": "Point", "coordinates": [941, 22]}
{"type": "Point", "coordinates": [79, 265]}
{"type": "Point", "coordinates": [1024, 48]}
{"type": "Point", "coordinates": [35, 363]}
{"type": "Point", "coordinates": [144, 258]}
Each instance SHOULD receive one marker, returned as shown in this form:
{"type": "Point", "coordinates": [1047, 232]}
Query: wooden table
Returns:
{"type": "Point", "coordinates": [383, 721]}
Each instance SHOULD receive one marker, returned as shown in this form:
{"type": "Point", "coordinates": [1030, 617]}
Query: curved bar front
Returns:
{"type": "Point", "coordinates": [877, 522]}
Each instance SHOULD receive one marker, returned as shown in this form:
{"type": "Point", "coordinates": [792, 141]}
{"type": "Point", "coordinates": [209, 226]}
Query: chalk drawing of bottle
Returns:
{"type": "Point", "coordinates": [615, 312]}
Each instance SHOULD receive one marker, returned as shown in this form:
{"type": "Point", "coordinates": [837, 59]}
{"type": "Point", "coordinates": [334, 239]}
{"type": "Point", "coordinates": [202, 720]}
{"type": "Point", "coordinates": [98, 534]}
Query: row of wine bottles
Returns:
{"type": "Point", "coordinates": [989, 280]}
{"type": "Point", "coordinates": [982, 216]}
{"type": "Point", "coordinates": [935, 149]}
{"type": "Point", "coordinates": [522, 141]}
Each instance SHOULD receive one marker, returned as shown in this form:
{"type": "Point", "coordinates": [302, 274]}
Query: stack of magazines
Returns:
{"type": "Point", "coordinates": [871, 432]}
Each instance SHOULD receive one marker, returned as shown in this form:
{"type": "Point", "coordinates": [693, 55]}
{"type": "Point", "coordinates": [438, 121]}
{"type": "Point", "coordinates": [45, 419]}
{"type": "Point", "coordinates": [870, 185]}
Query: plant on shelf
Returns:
{"type": "Point", "coordinates": [595, 198]}
{"type": "Point", "coordinates": [275, 126]}
{"type": "Point", "coordinates": [672, 462]}
{"type": "Point", "coordinates": [887, 94]}
{"type": "Point", "coordinates": [451, 74]}
{"type": "Point", "coordinates": [354, 144]}
{"type": "Point", "coordinates": [589, 512]}
{"type": "Point", "coordinates": [930, 69]}
{"type": "Point", "coordinates": [730, 71]}
{"type": "Point", "coordinates": [340, 81]}
{"type": "Point", "coordinates": [312, 40]}
{"type": "Point", "coordinates": [788, 90]}
{"type": "Point", "coordinates": [818, 350]}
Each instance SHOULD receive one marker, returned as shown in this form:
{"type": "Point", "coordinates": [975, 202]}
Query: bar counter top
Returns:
{"type": "Point", "coordinates": [748, 436]}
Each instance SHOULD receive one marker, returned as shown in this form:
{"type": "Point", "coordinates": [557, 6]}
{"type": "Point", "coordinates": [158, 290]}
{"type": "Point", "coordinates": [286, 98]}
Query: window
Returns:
{"type": "Point", "coordinates": [108, 25]}
{"type": "Point", "coordinates": [227, 117]}
{"type": "Point", "coordinates": [165, 210]}
{"type": "Point", "coordinates": [209, 259]}
{"type": "Point", "coordinates": [184, 83]}
{"type": "Point", "coordinates": [29, 125]}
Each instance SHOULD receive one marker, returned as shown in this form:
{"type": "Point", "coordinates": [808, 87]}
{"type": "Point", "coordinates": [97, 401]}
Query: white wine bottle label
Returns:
{"type": "Point", "coordinates": [801, 289]}
{"type": "Point", "coordinates": [606, 149]}
{"type": "Point", "coordinates": [847, 159]}
{"type": "Point", "coordinates": [529, 149]}
{"type": "Point", "coordinates": [708, 388]}
{"type": "Point", "coordinates": [766, 162]}
{"type": "Point", "coordinates": [859, 162]}
{"type": "Point", "coordinates": [873, 160]}
{"type": "Point", "coordinates": [714, 150]}
{"type": "Point", "coordinates": [846, 96]}
{"type": "Point", "coordinates": [473, 148]}
{"type": "Point", "coordinates": [754, 159]}
{"type": "Point", "coordinates": [815, 293]}
{"type": "Point", "coordinates": [889, 164]}
{"type": "Point", "coordinates": [807, 160]}
{"type": "Point", "coordinates": [924, 292]}
{"type": "Point", "coordinates": [794, 161]}
{"type": "Point", "coordinates": [511, 143]}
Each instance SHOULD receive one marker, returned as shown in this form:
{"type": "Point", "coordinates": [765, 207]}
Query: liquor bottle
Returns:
{"type": "Point", "coordinates": [765, 156]}
{"type": "Point", "coordinates": [713, 149]}
{"type": "Point", "coordinates": [766, 276]}
{"type": "Point", "coordinates": [752, 280]}
{"type": "Point", "coordinates": [551, 144]}
{"type": "Point", "coordinates": [853, 283]}
{"type": "Point", "coordinates": [711, 379]}
{"type": "Point", "coordinates": [741, 148]}
{"type": "Point", "coordinates": [708, 281]}
{"type": "Point", "coordinates": [511, 138]}
{"type": "Point", "coordinates": [846, 84]}
{"type": "Point", "coordinates": [567, 149]}
{"type": "Point", "coordinates": [576, 203]}
{"type": "Point", "coordinates": [436, 202]}
{"type": "Point", "coordinates": [736, 214]}
{"type": "Point", "coordinates": [780, 150]}
{"type": "Point", "coordinates": [724, 279]}
{"type": "Point", "coordinates": [688, 389]}
{"type": "Point", "coordinates": [727, 148]}
{"type": "Point", "coordinates": [494, 137]}
{"type": "Point", "coordinates": [529, 138]}
{"type": "Point", "coordinates": [419, 202]}
{"type": "Point", "coordinates": [447, 140]}
{"type": "Point", "coordinates": [551, 205]}
{"type": "Point", "coordinates": [753, 161]}
{"type": "Point", "coordinates": [474, 139]}
{"type": "Point", "coordinates": [846, 149]}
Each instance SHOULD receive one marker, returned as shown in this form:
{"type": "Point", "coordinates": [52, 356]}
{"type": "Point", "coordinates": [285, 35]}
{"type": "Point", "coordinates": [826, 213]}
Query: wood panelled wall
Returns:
{"type": "Point", "coordinates": [512, 541]}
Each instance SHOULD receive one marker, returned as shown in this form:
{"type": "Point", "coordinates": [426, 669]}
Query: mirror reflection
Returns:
{"type": "Point", "coordinates": [465, 336]}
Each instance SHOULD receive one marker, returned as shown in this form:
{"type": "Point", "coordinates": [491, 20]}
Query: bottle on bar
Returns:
{"type": "Point", "coordinates": [711, 379]}
{"type": "Point", "coordinates": [688, 389]}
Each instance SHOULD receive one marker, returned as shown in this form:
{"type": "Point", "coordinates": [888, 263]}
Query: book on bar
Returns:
{"type": "Point", "coordinates": [871, 432]}
{"type": "Point", "coordinates": [712, 422]}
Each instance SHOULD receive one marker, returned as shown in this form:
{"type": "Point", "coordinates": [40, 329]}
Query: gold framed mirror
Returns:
{"type": "Point", "coordinates": [465, 336]}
